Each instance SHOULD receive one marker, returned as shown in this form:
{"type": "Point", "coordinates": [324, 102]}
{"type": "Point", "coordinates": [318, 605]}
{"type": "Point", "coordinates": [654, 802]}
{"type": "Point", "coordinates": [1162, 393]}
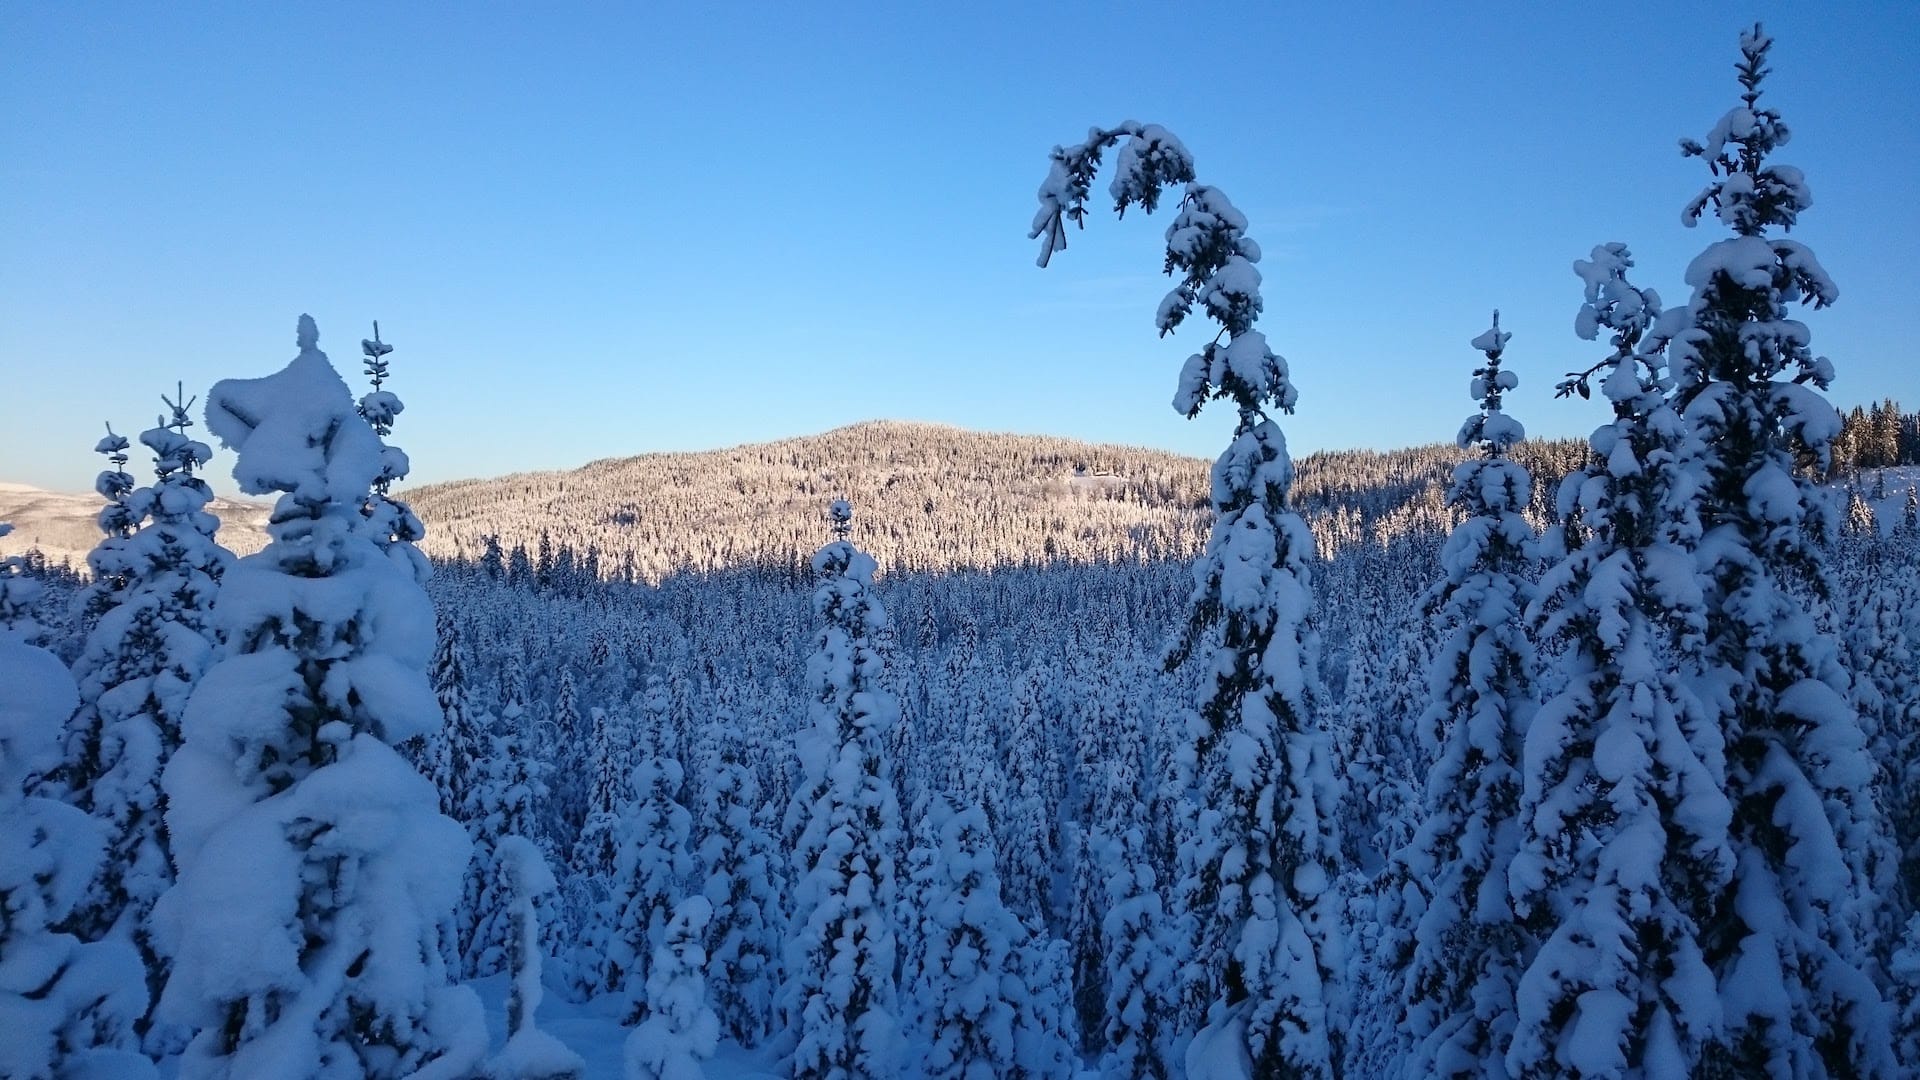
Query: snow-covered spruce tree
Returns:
{"type": "Point", "coordinates": [454, 757]}
{"type": "Point", "coordinates": [1859, 520]}
{"type": "Point", "coordinates": [1385, 752]}
{"type": "Point", "coordinates": [973, 772]}
{"type": "Point", "coordinates": [1885, 693]}
{"type": "Point", "coordinates": [977, 1013]}
{"type": "Point", "coordinates": [561, 754]}
{"type": "Point", "coordinates": [111, 568]}
{"type": "Point", "coordinates": [67, 1009]}
{"type": "Point", "coordinates": [1380, 756]}
{"type": "Point", "coordinates": [1028, 838]}
{"type": "Point", "coordinates": [1259, 869]}
{"type": "Point", "coordinates": [389, 520]}
{"type": "Point", "coordinates": [18, 595]}
{"type": "Point", "coordinates": [1895, 668]}
{"type": "Point", "coordinates": [609, 746]}
{"type": "Point", "coordinates": [512, 697]}
{"type": "Point", "coordinates": [567, 767]}
{"type": "Point", "coordinates": [1140, 966]}
{"type": "Point", "coordinates": [912, 769]}
{"type": "Point", "coordinates": [1905, 969]}
{"type": "Point", "coordinates": [1110, 801]}
{"type": "Point", "coordinates": [530, 1054]}
{"type": "Point", "coordinates": [1045, 1037]}
{"type": "Point", "coordinates": [920, 869]}
{"type": "Point", "coordinates": [591, 864]}
{"type": "Point", "coordinates": [110, 564]}
{"type": "Point", "coordinates": [1467, 948]}
{"type": "Point", "coordinates": [737, 859]}
{"type": "Point", "coordinates": [676, 1030]}
{"type": "Point", "coordinates": [455, 754]}
{"type": "Point", "coordinates": [650, 875]}
{"type": "Point", "coordinates": [1623, 848]}
{"type": "Point", "coordinates": [314, 867]}
{"type": "Point", "coordinates": [1789, 952]}
{"type": "Point", "coordinates": [964, 1013]}
{"type": "Point", "coordinates": [505, 803]}
{"type": "Point", "coordinates": [141, 661]}
{"type": "Point", "coordinates": [656, 710]}
{"type": "Point", "coordinates": [839, 1002]}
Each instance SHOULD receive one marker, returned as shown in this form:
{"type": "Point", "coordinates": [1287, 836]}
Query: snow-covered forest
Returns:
{"type": "Point", "coordinates": [1512, 759]}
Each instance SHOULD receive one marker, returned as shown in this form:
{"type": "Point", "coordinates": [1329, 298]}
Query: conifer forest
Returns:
{"type": "Point", "coordinates": [907, 751]}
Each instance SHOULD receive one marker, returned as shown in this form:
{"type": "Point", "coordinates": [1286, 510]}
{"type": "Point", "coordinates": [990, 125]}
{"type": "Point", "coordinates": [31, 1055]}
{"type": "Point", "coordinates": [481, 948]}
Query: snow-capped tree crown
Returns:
{"type": "Point", "coordinates": [389, 520]}
{"type": "Point", "coordinates": [1492, 488]}
{"type": "Point", "coordinates": [110, 562]}
{"type": "Point", "coordinates": [1736, 330]}
{"type": "Point", "coordinates": [1207, 246]}
{"type": "Point", "coordinates": [114, 485]}
{"type": "Point", "coordinates": [1152, 159]}
{"type": "Point", "coordinates": [178, 497]}
{"type": "Point", "coordinates": [1632, 474]}
{"type": "Point", "coordinates": [1492, 430]}
{"type": "Point", "coordinates": [293, 439]}
{"type": "Point", "coordinates": [374, 354]}
{"type": "Point", "coordinates": [174, 453]}
{"type": "Point", "coordinates": [1627, 312]}
{"type": "Point", "coordinates": [1747, 193]}
{"type": "Point", "coordinates": [379, 407]}
{"type": "Point", "coordinates": [296, 432]}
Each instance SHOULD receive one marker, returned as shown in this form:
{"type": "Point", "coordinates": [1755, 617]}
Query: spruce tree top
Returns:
{"type": "Point", "coordinates": [288, 430]}
{"type": "Point", "coordinates": [174, 454]}
{"type": "Point", "coordinates": [114, 485]}
{"type": "Point", "coordinates": [1746, 193]}
{"type": "Point", "coordinates": [379, 407]}
{"type": "Point", "coordinates": [1736, 329]}
{"type": "Point", "coordinates": [1207, 246]}
{"type": "Point", "coordinates": [1490, 429]}
{"type": "Point", "coordinates": [179, 496]}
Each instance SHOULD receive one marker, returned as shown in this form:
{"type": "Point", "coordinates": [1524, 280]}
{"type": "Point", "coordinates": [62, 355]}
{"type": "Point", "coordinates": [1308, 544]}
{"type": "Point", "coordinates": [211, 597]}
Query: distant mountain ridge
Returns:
{"type": "Point", "coordinates": [927, 497]}
{"type": "Point", "coordinates": [63, 526]}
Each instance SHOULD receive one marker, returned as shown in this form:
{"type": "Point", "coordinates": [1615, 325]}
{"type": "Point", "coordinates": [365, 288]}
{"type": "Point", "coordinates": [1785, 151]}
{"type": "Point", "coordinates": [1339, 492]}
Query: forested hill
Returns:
{"type": "Point", "coordinates": [928, 497]}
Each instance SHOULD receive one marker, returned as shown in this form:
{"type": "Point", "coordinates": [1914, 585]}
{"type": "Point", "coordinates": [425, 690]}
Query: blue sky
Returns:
{"type": "Point", "coordinates": [594, 231]}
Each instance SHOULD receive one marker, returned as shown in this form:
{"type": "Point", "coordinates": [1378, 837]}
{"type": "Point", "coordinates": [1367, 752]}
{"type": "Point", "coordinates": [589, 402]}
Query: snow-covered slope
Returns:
{"type": "Point", "coordinates": [60, 525]}
{"type": "Point", "coordinates": [1890, 510]}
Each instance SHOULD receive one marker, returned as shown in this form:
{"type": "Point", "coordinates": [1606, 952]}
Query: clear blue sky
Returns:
{"type": "Point", "coordinates": [600, 230]}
